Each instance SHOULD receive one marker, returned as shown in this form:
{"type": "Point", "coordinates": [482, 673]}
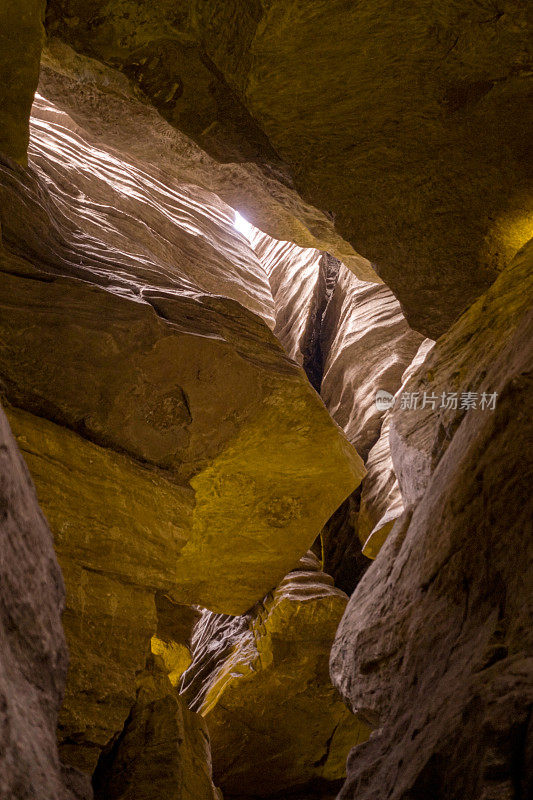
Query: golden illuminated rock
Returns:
{"type": "Point", "coordinates": [162, 751]}
{"type": "Point", "coordinates": [175, 447]}
{"type": "Point", "coordinates": [261, 683]}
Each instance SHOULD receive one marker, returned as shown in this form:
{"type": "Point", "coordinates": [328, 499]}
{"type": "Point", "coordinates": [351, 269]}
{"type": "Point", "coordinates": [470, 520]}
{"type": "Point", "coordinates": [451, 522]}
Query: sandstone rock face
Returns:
{"type": "Point", "coordinates": [21, 36]}
{"type": "Point", "coordinates": [457, 365]}
{"type": "Point", "coordinates": [162, 422]}
{"type": "Point", "coordinates": [261, 683]}
{"type": "Point", "coordinates": [163, 750]}
{"type": "Point", "coordinates": [423, 171]}
{"type": "Point", "coordinates": [33, 661]}
{"type": "Point", "coordinates": [367, 345]}
{"type": "Point", "coordinates": [381, 499]}
{"type": "Point", "coordinates": [113, 108]}
{"type": "Point", "coordinates": [436, 642]}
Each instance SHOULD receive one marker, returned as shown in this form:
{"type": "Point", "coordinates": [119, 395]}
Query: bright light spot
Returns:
{"type": "Point", "coordinates": [242, 225]}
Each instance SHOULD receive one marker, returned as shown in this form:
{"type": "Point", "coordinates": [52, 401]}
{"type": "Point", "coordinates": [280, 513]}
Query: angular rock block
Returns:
{"type": "Point", "coordinates": [436, 642]}
{"type": "Point", "coordinates": [162, 751]}
{"type": "Point", "coordinates": [261, 683]}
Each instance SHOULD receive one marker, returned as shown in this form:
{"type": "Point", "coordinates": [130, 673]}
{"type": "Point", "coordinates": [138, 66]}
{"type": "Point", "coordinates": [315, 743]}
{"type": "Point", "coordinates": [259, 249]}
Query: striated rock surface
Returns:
{"type": "Point", "coordinates": [301, 281]}
{"type": "Point", "coordinates": [436, 641]}
{"type": "Point", "coordinates": [33, 661]}
{"type": "Point", "coordinates": [21, 37]}
{"type": "Point", "coordinates": [367, 345]}
{"type": "Point", "coordinates": [423, 171]}
{"type": "Point", "coordinates": [162, 751]}
{"type": "Point", "coordinates": [175, 447]}
{"type": "Point", "coordinates": [261, 683]}
{"type": "Point", "coordinates": [114, 109]}
{"type": "Point", "coordinates": [381, 499]}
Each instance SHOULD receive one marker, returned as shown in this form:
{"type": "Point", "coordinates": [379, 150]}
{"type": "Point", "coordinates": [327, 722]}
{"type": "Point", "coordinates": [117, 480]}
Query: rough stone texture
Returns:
{"type": "Point", "coordinates": [424, 170]}
{"type": "Point", "coordinates": [436, 642]}
{"type": "Point", "coordinates": [458, 363]}
{"type": "Point", "coordinates": [21, 37]}
{"type": "Point", "coordinates": [261, 683]}
{"type": "Point", "coordinates": [113, 108]}
{"type": "Point", "coordinates": [367, 345]}
{"type": "Point", "coordinates": [33, 658]}
{"type": "Point", "coordinates": [175, 447]}
{"type": "Point", "coordinates": [381, 499]}
{"type": "Point", "coordinates": [162, 752]}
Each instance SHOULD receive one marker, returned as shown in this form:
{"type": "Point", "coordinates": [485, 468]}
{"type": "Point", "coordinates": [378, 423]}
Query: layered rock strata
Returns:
{"type": "Point", "coordinates": [423, 171]}
{"type": "Point", "coordinates": [175, 447]}
{"type": "Point", "coordinates": [33, 661]}
{"type": "Point", "coordinates": [436, 640]}
{"type": "Point", "coordinates": [261, 683]}
{"type": "Point", "coordinates": [381, 500]}
{"type": "Point", "coordinates": [110, 105]}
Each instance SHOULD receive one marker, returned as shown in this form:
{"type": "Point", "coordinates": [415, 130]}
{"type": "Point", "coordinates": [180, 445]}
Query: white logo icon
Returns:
{"type": "Point", "coordinates": [384, 400]}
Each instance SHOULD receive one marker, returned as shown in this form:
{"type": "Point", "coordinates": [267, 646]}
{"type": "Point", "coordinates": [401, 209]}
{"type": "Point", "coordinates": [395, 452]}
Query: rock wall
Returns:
{"type": "Point", "coordinates": [21, 38]}
{"type": "Point", "coordinates": [33, 661]}
{"type": "Point", "coordinates": [261, 683]}
{"type": "Point", "coordinates": [436, 641]}
{"type": "Point", "coordinates": [162, 751]}
{"type": "Point", "coordinates": [423, 171]}
{"type": "Point", "coordinates": [128, 378]}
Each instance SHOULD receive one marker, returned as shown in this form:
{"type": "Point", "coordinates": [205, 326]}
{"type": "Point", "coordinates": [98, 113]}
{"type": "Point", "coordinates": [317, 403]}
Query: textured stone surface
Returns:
{"type": "Point", "coordinates": [33, 658]}
{"type": "Point", "coordinates": [367, 344]}
{"type": "Point", "coordinates": [423, 170]}
{"type": "Point", "coordinates": [261, 683]}
{"type": "Point", "coordinates": [381, 499]}
{"type": "Point", "coordinates": [436, 642]}
{"type": "Point", "coordinates": [175, 446]}
{"type": "Point", "coordinates": [109, 105]}
{"type": "Point", "coordinates": [459, 364]}
{"type": "Point", "coordinates": [162, 751]}
{"type": "Point", "coordinates": [21, 37]}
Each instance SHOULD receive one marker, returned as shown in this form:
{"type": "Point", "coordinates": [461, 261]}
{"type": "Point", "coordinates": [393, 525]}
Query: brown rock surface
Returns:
{"type": "Point", "coordinates": [436, 642]}
{"type": "Point", "coordinates": [381, 499]}
{"type": "Point", "coordinates": [424, 170]}
{"type": "Point", "coordinates": [162, 751]}
{"type": "Point", "coordinates": [261, 683]}
{"type": "Point", "coordinates": [21, 37]}
{"type": "Point", "coordinates": [366, 344]}
{"type": "Point", "coordinates": [459, 364]}
{"type": "Point", "coordinates": [33, 659]}
{"type": "Point", "coordinates": [162, 422]}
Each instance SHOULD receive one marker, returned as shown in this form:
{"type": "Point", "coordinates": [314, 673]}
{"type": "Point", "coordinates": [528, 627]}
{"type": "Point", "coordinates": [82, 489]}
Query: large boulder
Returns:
{"type": "Point", "coordinates": [33, 658]}
{"type": "Point", "coordinates": [261, 683]}
{"type": "Point", "coordinates": [436, 642]}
